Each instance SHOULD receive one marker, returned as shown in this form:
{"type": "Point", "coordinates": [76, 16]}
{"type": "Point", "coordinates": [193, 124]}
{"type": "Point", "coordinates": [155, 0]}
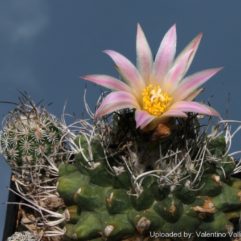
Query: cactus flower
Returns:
{"type": "Point", "coordinates": [158, 89]}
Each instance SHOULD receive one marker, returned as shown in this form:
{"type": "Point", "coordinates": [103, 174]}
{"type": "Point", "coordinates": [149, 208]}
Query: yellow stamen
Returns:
{"type": "Point", "coordinates": [154, 100]}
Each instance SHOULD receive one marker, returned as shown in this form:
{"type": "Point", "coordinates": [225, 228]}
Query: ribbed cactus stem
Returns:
{"type": "Point", "coordinates": [181, 187]}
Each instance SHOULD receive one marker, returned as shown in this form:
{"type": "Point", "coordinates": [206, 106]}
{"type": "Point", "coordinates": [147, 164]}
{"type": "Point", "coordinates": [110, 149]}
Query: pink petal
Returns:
{"type": "Point", "coordinates": [127, 69]}
{"type": "Point", "coordinates": [175, 74]}
{"type": "Point", "coordinates": [193, 95]}
{"type": "Point", "coordinates": [116, 101]}
{"type": "Point", "coordinates": [192, 46]}
{"type": "Point", "coordinates": [190, 106]}
{"type": "Point", "coordinates": [173, 113]}
{"type": "Point", "coordinates": [192, 82]}
{"type": "Point", "coordinates": [143, 118]}
{"type": "Point", "coordinates": [166, 53]}
{"type": "Point", "coordinates": [108, 82]}
{"type": "Point", "coordinates": [144, 54]}
{"type": "Point", "coordinates": [155, 120]}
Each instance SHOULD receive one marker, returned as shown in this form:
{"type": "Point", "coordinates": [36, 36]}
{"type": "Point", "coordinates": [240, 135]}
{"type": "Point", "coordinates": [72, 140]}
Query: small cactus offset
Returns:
{"type": "Point", "coordinates": [34, 144]}
{"type": "Point", "coordinates": [30, 134]}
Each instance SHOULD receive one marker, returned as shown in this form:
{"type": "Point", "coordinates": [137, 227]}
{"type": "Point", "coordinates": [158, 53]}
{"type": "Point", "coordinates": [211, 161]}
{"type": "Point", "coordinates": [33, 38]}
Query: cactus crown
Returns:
{"type": "Point", "coordinates": [182, 156]}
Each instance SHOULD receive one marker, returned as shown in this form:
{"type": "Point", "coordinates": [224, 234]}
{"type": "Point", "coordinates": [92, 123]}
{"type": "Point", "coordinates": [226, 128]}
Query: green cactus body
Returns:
{"type": "Point", "coordinates": [107, 211]}
{"type": "Point", "coordinates": [107, 208]}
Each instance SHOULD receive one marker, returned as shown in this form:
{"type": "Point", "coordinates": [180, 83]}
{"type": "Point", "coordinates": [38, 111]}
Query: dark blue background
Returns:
{"type": "Point", "coordinates": [45, 46]}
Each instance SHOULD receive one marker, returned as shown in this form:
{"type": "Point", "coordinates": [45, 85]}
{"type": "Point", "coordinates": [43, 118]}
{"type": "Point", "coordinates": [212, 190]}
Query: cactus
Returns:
{"type": "Point", "coordinates": [34, 144]}
{"type": "Point", "coordinates": [150, 171]}
{"type": "Point", "coordinates": [124, 183]}
{"type": "Point", "coordinates": [30, 134]}
{"type": "Point", "coordinates": [116, 189]}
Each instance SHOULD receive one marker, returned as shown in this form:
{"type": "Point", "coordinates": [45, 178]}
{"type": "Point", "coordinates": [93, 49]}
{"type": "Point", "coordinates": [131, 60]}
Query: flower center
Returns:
{"type": "Point", "coordinates": [154, 100]}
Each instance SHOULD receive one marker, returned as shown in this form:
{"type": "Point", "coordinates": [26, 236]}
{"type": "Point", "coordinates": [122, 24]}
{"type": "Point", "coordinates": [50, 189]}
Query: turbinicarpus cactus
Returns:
{"type": "Point", "coordinates": [151, 171]}
{"type": "Point", "coordinates": [124, 186]}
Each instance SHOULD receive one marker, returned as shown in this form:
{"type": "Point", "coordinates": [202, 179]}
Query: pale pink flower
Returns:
{"type": "Point", "coordinates": [157, 89]}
